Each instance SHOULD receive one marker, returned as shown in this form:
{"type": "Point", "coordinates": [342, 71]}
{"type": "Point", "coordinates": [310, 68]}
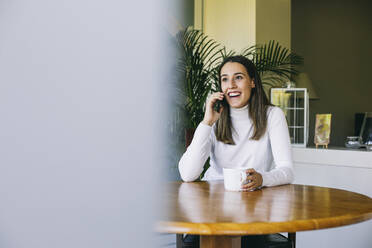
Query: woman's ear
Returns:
{"type": "Point", "coordinates": [253, 85]}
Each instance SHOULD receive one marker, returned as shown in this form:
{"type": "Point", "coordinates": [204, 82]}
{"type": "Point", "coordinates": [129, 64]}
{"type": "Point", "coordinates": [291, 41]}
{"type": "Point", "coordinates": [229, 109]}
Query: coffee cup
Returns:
{"type": "Point", "coordinates": [234, 178]}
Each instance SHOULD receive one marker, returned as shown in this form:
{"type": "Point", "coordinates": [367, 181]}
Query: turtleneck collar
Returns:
{"type": "Point", "coordinates": [239, 113]}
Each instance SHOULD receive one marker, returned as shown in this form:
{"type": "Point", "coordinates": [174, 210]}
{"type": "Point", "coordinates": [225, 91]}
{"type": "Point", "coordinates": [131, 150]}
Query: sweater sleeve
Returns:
{"type": "Point", "coordinates": [192, 161]}
{"type": "Point", "coordinates": [281, 150]}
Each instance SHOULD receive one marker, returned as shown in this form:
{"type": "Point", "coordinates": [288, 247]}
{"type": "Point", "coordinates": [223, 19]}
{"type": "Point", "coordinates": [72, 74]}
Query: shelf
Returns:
{"type": "Point", "coordinates": [294, 102]}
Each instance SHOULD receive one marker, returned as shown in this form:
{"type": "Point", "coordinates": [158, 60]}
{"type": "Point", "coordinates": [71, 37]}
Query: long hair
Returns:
{"type": "Point", "coordinates": [257, 104]}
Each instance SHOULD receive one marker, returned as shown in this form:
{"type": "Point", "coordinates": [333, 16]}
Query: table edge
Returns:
{"type": "Point", "coordinates": [258, 227]}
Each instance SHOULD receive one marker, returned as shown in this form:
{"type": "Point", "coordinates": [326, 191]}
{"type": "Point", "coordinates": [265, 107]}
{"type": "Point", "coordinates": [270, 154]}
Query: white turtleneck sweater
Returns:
{"type": "Point", "coordinates": [270, 155]}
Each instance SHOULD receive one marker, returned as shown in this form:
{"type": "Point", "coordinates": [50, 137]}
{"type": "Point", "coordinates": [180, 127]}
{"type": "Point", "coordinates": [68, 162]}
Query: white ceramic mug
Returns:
{"type": "Point", "coordinates": [234, 178]}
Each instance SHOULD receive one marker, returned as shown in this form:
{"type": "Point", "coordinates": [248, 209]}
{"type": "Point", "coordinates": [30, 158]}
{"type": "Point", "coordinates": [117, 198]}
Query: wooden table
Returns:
{"type": "Point", "coordinates": [221, 217]}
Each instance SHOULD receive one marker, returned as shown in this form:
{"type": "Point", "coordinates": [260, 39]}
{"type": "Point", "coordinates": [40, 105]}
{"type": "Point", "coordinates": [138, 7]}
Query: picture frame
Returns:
{"type": "Point", "coordinates": [322, 130]}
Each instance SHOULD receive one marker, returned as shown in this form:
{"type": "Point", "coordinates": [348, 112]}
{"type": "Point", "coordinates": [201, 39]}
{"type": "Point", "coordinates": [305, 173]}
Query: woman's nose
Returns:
{"type": "Point", "coordinates": [231, 84]}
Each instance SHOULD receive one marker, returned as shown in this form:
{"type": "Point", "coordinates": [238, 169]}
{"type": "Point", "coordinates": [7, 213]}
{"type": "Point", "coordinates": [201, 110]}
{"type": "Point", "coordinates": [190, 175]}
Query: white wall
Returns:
{"type": "Point", "coordinates": [79, 138]}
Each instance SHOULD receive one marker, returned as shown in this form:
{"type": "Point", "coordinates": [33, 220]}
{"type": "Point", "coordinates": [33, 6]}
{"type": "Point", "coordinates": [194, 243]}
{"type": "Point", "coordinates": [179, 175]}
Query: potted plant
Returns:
{"type": "Point", "coordinates": [275, 63]}
{"type": "Point", "coordinates": [198, 71]}
{"type": "Point", "coordinates": [199, 55]}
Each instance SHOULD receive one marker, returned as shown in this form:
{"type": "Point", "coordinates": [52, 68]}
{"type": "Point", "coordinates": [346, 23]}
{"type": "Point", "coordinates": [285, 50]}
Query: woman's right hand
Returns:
{"type": "Point", "coordinates": [211, 116]}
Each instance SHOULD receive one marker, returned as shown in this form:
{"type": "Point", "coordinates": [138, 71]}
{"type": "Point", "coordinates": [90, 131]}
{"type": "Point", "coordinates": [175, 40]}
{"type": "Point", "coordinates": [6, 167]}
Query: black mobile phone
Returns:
{"type": "Point", "coordinates": [217, 105]}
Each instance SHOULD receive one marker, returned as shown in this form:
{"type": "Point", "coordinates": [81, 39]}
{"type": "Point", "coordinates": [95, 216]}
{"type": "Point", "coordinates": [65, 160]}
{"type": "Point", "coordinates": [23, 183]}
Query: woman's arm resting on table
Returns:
{"type": "Point", "coordinates": [192, 161]}
{"type": "Point", "coordinates": [281, 149]}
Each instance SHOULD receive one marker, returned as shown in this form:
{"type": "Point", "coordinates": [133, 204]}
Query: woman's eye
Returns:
{"type": "Point", "coordinates": [239, 77]}
{"type": "Point", "coordinates": [224, 79]}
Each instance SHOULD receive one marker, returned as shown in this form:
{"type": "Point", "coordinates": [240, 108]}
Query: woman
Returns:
{"type": "Point", "coordinates": [247, 132]}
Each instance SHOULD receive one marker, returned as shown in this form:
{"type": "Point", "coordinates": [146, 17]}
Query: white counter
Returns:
{"type": "Point", "coordinates": [337, 168]}
{"type": "Point", "coordinates": [333, 157]}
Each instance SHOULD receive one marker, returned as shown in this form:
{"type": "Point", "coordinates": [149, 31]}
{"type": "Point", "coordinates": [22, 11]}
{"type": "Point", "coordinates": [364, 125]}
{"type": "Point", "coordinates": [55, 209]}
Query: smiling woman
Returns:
{"type": "Point", "coordinates": [247, 133]}
{"type": "Point", "coordinates": [243, 88]}
{"type": "Point", "coordinates": [236, 83]}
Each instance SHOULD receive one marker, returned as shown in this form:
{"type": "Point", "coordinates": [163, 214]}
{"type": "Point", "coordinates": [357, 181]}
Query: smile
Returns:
{"type": "Point", "coordinates": [234, 94]}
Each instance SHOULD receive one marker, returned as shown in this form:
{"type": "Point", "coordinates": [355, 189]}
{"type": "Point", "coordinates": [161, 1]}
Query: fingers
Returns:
{"type": "Point", "coordinates": [217, 96]}
{"type": "Point", "coordinates": [254, 180]}
{"type": "Point", "coordinates": [249, 186]}
{"type": "Point", "coordinates": [251, 177]}
{"type": "Point", "coordinates": [251, 171]}
{"type": "Point", "coordinates": [214, 97]}
{"type": "Point", "coordinates": [211, 115]}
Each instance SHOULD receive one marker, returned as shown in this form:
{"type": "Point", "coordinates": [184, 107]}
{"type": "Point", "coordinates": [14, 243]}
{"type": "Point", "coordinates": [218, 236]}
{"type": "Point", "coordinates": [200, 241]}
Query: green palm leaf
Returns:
{"type": "Point", "coordinates": [277, 61]}
{"type": "Point", "coordinates": [199, 55]}
{"type": "Point", "coordinates": [197, 72]}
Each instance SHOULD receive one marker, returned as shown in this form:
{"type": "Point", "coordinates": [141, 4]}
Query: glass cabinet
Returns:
{"type": "Point", "coordinates": [295, 104]}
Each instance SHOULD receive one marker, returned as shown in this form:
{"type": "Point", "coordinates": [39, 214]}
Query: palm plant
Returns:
{"type": "Point", "coordinates": [198, 72]}
{"type": "Point", "coordinates": [198, 56]}
{"type": "Point", "coordinates": [223, 53]}
{"type": "Point", "coordinates": [274, 62]}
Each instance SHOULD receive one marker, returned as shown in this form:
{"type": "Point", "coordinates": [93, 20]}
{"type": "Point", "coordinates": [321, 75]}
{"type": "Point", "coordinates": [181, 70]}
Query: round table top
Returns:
{"type": "Point", "coordinates": [206, 208]}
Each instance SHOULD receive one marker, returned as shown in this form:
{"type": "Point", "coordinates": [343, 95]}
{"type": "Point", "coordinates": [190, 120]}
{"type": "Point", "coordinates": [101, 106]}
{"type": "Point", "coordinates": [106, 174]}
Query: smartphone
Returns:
{"type": "Point", "coordinates": [217, 105]}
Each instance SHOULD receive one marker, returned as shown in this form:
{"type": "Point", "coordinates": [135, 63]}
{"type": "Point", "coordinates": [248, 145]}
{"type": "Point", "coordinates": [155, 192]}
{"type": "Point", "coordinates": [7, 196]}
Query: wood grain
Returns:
{"type": "Point", "coordinates": [206, 208]}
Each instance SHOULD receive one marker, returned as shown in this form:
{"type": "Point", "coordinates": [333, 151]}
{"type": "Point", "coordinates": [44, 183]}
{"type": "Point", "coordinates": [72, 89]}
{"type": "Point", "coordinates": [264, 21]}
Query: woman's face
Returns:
{"type": "Point", "coordinates": [236, 84]}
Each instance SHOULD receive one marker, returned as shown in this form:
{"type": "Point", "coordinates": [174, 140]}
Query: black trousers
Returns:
{"type": "Point", "coordinates": [252, 241]}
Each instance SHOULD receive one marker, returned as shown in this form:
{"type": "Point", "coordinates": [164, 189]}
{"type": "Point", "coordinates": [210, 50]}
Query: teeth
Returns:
{"type": "Point", "coordinates": [234, 94]}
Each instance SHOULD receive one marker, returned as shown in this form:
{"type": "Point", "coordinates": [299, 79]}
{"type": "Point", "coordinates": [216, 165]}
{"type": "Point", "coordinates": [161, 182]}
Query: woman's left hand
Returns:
{"type": "Point", "coordinates": [255, 180]}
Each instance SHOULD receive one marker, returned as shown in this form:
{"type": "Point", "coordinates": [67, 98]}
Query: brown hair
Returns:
{"type": "Point", "coordinates": [257, 104]}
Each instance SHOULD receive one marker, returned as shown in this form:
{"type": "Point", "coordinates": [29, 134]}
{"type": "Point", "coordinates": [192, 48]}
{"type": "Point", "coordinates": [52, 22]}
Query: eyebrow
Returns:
{"type": "Point", "coordinates": [236, 73]}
